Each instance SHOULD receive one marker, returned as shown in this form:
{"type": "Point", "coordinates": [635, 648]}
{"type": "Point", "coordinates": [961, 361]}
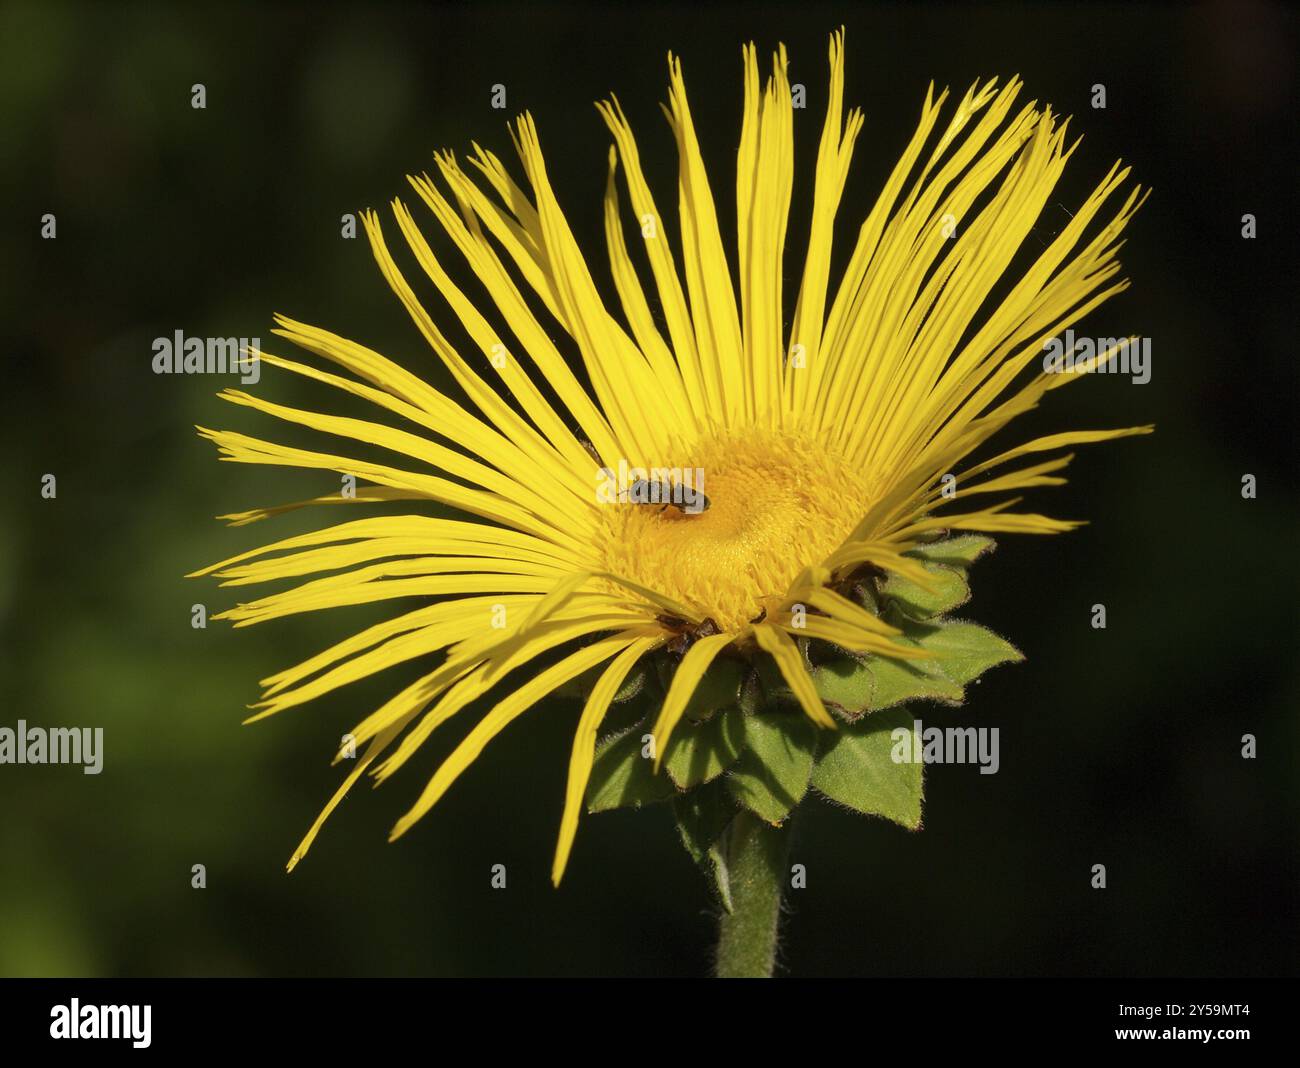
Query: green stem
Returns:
{"type": "Point", "coordinates": [757, 871]}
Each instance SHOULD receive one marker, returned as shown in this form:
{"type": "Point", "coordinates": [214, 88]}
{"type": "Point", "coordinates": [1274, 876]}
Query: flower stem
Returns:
{"type": "Point", "coordinates": [756, 872]}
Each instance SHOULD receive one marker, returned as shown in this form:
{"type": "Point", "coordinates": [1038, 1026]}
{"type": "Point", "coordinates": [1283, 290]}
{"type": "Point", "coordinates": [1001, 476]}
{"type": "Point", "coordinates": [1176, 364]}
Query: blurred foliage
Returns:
{"type": "Point", "coordinates": [1118, 746]}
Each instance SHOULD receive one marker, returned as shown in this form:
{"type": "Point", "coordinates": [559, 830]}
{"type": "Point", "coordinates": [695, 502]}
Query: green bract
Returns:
{"type": "Point", "coordinates": [744, 744]}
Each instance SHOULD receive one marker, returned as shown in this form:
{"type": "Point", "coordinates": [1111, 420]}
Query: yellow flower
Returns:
{"type": "Point", "coordinates": [824, 447]}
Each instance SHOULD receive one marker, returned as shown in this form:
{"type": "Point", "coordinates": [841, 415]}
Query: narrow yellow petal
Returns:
{"type": "Point", "coordinates": [501, 715]}
{"type": "Point", "coordinates": [687, 676]}
{"type": "Point", "coordinates": [781, 648]}
{"type": "Point", "coordinates": [708, 279]}
{"type": "Point", "coordinates": [376, 746]}
{"type": "Point", "coordinates": [840, 607]}
{"type": "Point", "coordinates": [492, 660]}
{"type": "Point", "coordinates": [584, 746]}
{"type": "Point", "coordinates": [658, 250]}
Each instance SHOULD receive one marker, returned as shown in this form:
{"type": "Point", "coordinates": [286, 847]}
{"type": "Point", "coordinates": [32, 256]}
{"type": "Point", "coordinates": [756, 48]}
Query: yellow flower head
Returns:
{"type": "Point", "coordinates": [819, 443]}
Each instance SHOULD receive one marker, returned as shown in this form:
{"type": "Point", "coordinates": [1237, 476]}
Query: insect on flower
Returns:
{"type": "Point", "coordinates": [684, 632]}
{"type": "Point", "coordinates": [686, 500]}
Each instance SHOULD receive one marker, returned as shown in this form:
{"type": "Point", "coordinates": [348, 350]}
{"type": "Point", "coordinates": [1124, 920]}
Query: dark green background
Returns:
{"type": "Point", "coordinates": [1118, 746]}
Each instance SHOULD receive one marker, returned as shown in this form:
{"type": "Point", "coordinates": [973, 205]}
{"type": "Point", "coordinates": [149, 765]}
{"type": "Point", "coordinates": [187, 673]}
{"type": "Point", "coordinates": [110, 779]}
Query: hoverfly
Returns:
{"type": "Point", "coordinates": [653, 492]}
{"type": "Point", "coordinates": [645, 493]}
